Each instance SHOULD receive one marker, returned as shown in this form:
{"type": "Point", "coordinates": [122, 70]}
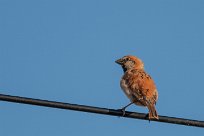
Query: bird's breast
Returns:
{"type": "Point", "coordinates": [125, 89]}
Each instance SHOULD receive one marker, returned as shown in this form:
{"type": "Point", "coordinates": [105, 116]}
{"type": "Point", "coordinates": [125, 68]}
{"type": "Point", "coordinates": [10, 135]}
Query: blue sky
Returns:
{"type": "Point", "coordinates": [65, 51]}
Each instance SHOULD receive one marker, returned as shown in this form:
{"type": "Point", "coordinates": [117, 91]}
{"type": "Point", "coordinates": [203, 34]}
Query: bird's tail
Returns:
{"type": "Point", "coordinates": [152, 112]}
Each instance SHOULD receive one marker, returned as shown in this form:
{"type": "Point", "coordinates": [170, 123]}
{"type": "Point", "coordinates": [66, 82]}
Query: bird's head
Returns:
{"type": "Point", "coordinates": [130, 62]}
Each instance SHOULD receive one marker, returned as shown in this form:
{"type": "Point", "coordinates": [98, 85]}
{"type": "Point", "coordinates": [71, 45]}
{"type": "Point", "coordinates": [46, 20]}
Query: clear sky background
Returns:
{"type": "Point", "coordinates": [65, 51]}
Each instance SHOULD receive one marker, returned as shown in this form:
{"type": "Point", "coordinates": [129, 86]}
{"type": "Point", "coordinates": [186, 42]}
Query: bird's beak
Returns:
{"type": "Point", "coordinates": [119, 61]}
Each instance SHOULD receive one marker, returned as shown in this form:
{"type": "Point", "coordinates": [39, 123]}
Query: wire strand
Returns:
{"type": "Point", "coordinates": [98, 110]}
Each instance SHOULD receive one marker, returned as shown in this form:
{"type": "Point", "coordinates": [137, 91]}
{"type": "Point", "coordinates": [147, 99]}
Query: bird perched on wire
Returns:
{"type": "Point", "coordinates": [138, 85]}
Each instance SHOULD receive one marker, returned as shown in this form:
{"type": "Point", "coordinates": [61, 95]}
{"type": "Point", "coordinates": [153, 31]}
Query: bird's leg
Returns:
{"type": "Point", "coordinates": [123, 109]}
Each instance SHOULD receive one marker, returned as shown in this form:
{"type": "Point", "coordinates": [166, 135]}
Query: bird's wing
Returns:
{"type": "Point", "coordinates": [142, 86]}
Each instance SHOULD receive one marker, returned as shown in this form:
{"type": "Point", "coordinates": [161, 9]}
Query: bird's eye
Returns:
{"type": "Point", "coordinates": [127, 59]}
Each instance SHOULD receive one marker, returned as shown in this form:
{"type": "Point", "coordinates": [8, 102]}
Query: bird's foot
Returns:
{"type": "Point", "coordinates": [123, 110]}
{"type": "Point", "coordinates": [147, 117]}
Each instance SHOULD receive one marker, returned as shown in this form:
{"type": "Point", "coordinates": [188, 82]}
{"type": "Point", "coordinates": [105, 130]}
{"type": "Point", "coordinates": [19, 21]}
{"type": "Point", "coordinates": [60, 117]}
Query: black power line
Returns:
{"type": "Point", "coordinates": [98, 110]}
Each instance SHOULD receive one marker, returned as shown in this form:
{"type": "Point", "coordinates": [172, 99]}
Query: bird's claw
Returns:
{"type": "Point", "coordinates": [147, 116]}
{"type": "Point", "coordinates": [123, 110]}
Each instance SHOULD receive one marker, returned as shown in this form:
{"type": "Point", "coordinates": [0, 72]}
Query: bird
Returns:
{"type": "Point", "coordinates": [138, 86]}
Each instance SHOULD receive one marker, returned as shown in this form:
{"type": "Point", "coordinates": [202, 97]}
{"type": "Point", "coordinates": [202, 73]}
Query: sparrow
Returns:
{"type": "Point", "coordinates": [138, 86]}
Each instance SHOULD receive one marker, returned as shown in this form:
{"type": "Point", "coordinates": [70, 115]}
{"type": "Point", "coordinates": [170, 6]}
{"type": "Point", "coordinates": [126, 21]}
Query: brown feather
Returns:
{"type": "Point", "coordinates": [138, 85]}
